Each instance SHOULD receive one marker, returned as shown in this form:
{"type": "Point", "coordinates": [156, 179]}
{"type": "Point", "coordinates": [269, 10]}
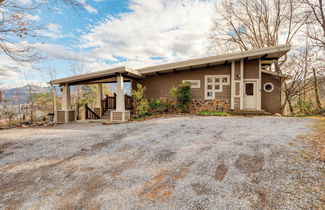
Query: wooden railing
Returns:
{"type": "Point", "coordinates": [128, 102]}
{"type": "Point", "coordinates": [109, 102]}
{"type": "Point", "coordinates": [90, 114]}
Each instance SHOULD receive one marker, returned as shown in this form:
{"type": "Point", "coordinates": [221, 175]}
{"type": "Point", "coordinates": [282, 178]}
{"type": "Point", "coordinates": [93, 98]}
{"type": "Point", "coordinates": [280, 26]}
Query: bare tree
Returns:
{"type": "Point", "coordinates": [17, 24]}
{"type": "Point", "coordinates": [316, 26]}
{"type": "Point", "coordinates": [245, 24]}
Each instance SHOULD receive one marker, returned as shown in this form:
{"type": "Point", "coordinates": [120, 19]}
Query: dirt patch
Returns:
{"type": "Point", "coordinates": [263, 198]}
{"type": "Point", "coordinates": [221, 172]}
{"type": "Point", "coordinates": [5, 146]}
{"type": "Point", "coordinates": [165, 155]}
{"type": "Point", "coordinates": [201, 189]}
{"type": "Point", "coordinates": [161, 186]}
{"type": "Point", "coordinates": [250, 164]}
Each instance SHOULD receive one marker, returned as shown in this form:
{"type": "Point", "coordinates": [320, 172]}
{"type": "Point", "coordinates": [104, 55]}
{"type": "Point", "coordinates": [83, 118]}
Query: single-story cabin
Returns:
{"type": "Point", "coordinates": [238, 81]}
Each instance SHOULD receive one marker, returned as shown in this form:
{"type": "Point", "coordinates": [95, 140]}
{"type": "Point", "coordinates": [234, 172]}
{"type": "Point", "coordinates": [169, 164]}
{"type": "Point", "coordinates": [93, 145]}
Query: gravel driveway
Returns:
{"type": "Point", "coordinates": [168, 163]}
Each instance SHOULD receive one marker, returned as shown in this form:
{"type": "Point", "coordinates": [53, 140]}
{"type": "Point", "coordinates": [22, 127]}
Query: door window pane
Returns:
{"type": "Point", "coordinates": [224, 79]}
{"type": "Point", "coordinates": [209, 94]}
{"type": "Point", "coordinates": [209, 80]}
{"type": "Point", "coordinates": [217, 80]}
{"type": "Point", "coordinates": [249, 89]}
{"type": "Point", "coordinates": [209, 87]}
{"type": "Point", "coordinates": [217, 87]}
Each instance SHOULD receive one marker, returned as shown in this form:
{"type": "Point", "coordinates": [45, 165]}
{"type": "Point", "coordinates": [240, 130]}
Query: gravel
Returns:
{"type": "Point", "coordinates": [186, 162]}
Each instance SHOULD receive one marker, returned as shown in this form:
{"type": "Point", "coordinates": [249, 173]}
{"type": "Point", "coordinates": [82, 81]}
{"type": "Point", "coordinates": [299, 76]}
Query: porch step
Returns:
{"type": "Point", "coordinates": [107, 115]}
{"type": "Point", "coordinates": [249, 112]}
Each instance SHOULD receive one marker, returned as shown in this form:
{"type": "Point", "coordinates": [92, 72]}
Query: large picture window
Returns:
{"type": "Point", "coordinates": [214, 84]}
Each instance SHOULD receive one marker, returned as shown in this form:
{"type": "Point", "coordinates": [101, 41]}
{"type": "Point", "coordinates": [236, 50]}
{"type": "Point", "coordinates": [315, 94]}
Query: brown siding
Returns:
{"type": "Point", "coordinates": [251, 69]}
{"type": "Point", "coordinates": [158, 86]}
{"type": "Point", "coordinates": [271, 102]}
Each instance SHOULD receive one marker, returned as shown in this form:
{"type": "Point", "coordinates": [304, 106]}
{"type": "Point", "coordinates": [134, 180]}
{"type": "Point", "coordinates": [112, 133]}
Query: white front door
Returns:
{"type": "Point", "coordinates": [250, 95]}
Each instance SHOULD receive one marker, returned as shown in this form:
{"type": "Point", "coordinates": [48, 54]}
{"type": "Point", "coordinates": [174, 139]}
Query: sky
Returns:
{"type": "Point", "coordinates": [110, 33]}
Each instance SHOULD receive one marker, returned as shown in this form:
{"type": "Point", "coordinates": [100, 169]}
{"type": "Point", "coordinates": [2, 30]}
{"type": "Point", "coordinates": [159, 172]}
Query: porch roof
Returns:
{"type": "Point", "coordinates": [267, 55]}
{"type": "Point", "coordinates": [99, 76]}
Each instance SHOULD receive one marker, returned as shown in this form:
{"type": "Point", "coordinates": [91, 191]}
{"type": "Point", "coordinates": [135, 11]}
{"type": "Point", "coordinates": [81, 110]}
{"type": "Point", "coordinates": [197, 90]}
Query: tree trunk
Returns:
{"type": "Point", "coordinates": [316, 88]}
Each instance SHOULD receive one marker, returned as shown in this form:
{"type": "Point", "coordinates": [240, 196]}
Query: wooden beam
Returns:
{"type": "Point", "coordinates": [264, 56]}
{"type": "Point", "coordinates": [269, 59]}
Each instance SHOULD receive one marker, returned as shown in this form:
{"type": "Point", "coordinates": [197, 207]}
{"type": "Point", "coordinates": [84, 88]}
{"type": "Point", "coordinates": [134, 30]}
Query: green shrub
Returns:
{"type": "Point", "coordinates": [212, 113]}
{"type": "Point", "coordinates": [183, 95]}
{"type": "Point", "coordinates": [140, 104]}
{"type": "Point", "coordinates": [157, 106]}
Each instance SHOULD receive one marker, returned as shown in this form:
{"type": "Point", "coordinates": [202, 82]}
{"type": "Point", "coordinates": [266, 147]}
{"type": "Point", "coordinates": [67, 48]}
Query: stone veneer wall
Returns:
{"type": "Point", "coordinates": [209, 105]}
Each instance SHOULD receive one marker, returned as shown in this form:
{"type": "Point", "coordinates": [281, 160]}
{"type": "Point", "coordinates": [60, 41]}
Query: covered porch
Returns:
{"type": "Point", "coordinates": [114, 108]}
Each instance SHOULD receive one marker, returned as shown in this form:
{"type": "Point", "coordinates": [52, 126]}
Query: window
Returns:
{"type": "Point", "coordinates": [214, 84]}
{"type": "Point", "coordinates": [268, 87]}
{"type": "Point", "coordinates": [249, 89]}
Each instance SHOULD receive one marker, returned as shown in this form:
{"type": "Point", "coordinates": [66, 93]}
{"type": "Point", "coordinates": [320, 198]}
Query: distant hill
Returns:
{"type": "Point", "coordinates": [20, 94]}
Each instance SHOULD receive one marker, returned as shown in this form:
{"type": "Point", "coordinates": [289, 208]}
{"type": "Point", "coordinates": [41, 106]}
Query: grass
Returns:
{"type": "Point", "coordinates": [212, 113]}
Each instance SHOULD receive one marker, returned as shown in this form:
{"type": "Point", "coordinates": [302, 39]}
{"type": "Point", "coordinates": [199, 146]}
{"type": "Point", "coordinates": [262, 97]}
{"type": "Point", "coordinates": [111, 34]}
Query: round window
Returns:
{"type": "Point", "coordinates": [268, 87]}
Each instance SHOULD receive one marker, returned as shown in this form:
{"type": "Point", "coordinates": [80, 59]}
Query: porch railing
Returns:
{"type": "Point", "coordinates": [90, 114]}
{"type": "Point", "coordinates": [128, 102]}
{"type": "Point", "coordinates": [109, 102]}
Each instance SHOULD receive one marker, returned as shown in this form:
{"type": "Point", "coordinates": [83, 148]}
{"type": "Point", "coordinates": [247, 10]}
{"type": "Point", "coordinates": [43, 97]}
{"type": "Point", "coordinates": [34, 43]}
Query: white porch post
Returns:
{"type": "Point", "coordinates": [66, 102]}
{"type": "Point", "coordinates": [232, 91]}
{"type": "Point", "coordinates": [120, 114]}
{"type": "Point", "coordinates": [100, 98]}
{"type": "Point", "coordinates": [241, 84]}
{"type": "Point", "coordinates": [120, 103]}
{"type": "Point", "coordinates": [259, 87]}
{"type": "Point", "coordinates": [54, 105]}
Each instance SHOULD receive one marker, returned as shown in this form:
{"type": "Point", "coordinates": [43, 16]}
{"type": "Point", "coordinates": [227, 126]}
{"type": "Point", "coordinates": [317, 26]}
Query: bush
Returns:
{"type": "Point", "coordinates": [140, 104]}
{"type": "Point", "coordinates": [212, 113]}
{"type": "Point", "coordinates": [157, 106]}
{"type": "Point", "coordinates": [183, 95]}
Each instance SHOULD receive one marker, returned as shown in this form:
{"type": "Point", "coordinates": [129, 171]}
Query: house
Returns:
{"type": "Point", "coordinates": [238, 81]}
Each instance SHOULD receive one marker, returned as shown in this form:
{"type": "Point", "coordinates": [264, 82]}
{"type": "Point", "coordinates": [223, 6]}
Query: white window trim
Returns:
{"type": "Point", "coordinates": [268, 91]}
{"type": "Point", "coordinates": [213, 84]}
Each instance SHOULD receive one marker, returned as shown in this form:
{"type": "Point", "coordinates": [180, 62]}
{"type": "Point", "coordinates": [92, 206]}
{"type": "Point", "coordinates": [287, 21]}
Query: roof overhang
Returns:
{"type": "Point", "coordinates": [268, 56]}
{"type": "Point", "coordinates": [99, 76]}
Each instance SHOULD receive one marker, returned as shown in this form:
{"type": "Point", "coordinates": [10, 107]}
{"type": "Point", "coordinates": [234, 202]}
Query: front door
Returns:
{"type": "Point", "coordinates": [250, 95]}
